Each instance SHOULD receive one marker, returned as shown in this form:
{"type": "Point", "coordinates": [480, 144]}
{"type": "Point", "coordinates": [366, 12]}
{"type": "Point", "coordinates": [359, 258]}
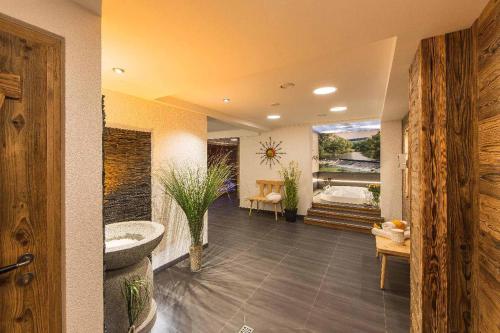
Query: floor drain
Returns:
{"type": "Point", "coordinates": [246, 329]}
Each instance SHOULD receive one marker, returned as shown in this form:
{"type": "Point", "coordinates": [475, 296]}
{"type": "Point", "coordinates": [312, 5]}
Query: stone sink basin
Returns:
{"type": "Point", "coordinates": [126, 243]}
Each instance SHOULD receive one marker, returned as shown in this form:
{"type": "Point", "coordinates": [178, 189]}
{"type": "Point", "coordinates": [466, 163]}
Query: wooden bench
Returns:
{"type": "Point", "coordinates": [266, 187]}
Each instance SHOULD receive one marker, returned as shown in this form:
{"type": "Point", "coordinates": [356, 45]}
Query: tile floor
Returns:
{"type": "Point", "coordinates": [281, 277]}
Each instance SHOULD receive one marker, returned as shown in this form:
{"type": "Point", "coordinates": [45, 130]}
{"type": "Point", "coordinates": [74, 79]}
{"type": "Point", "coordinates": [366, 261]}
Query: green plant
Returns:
{"type": "Point", "coordinates": [137, 295]}
{"type": "Point", "coordinates": [369, 147]}
{"type": "Point", "coordinates": [291, 175]}
{"type": "Point", "coordinates": [195, 187]}
{"type": "Point", "coordinates": [375, 191]}
{"type": "Point", "coordinates": [332, 146]}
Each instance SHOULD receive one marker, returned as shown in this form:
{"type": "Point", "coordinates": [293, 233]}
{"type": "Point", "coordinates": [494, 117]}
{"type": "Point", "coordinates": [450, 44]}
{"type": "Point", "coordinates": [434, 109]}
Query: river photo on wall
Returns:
{"type": "Point", "coordinates": [349, 147]}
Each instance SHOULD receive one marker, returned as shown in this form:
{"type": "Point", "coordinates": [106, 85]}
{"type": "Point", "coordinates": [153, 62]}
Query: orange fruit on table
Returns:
{"type": "Point", "coordinates": [398, 224]}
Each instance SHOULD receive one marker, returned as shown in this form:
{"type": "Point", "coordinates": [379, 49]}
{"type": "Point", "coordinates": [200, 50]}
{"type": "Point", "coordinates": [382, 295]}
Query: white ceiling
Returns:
{"type": "Point", "coordinates": [214, 125]}
{"type": "Point", "coordinates": [202, 51]}
{"type": "Point", "coordinates": [92, 5]}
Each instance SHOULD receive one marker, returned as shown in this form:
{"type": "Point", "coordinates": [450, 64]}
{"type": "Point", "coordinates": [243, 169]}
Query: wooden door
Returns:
{"type": "Point", "coordinates": [30, 178]}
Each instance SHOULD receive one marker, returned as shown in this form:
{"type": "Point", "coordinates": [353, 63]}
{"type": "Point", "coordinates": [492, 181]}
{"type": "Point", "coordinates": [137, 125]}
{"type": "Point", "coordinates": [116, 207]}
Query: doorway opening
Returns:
{"type": "Point", "coordinates": [349, 162]}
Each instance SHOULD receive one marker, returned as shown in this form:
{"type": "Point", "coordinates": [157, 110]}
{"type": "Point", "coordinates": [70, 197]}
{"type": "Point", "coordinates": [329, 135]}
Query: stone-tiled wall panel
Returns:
{"type": "Point", "coordinates": [127, 175]}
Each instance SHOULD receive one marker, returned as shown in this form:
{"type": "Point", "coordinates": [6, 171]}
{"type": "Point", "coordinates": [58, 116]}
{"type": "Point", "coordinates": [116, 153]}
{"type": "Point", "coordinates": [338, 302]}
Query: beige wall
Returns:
{"type": "Point", "coordinates": [177, 136]}
{"type": "Point", "coordinates": [297, 144]}
{"type": "Point", "coordinates": [83, 246]}
{"type": "Point", "coordinates": [390, 173]}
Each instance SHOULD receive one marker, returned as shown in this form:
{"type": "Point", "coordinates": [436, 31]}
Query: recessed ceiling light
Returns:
{"type": "Point", "coordinates": [338, 108]}
{"type": "Point", "coordinates": [324, 90]}
{"type": "Point", "coordinates": [287, 85]}
{"type": "Point", "coordinates": [226, 100]}
{"type": "Point", "coordinates": [118, 70]}
{"type": "Point", "coordinates": [273, 116]}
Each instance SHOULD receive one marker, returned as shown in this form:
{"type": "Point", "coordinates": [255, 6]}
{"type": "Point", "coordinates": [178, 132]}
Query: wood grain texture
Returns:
{"type": "Point", "coordinates": [487, 276]}
{"type": "Point", "coordinates": [406, 172]}
{"type": "Point", "coordinates": [387, 246]}
{"type": "Point", "coordinates": [414, 164]}
{"type": "Point", "coordinates": [454, 129]}
{"type": "Point", "coordinates": [31, 178]}
{"type": "Point", "coordinates": [10, 85]}
{"type": "Point", "coordinates": [434, 226]}
{"type": "Point", "coordinates": [462, 189]}
{"type": "Point", "coordinates": [127, 175]}
{"type": "Point", "coordinates": [443, 187]}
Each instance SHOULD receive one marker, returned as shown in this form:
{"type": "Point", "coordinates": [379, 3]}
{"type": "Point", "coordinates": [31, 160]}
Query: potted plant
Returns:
{"type": "Point", "coordinates": [137, 296]}
{"type": "Point", "coordinates": [375, 191]}
{"type": "Point", "coordinates": [195, 187]}
{"type": "Point", "coordinates": [291, 176]}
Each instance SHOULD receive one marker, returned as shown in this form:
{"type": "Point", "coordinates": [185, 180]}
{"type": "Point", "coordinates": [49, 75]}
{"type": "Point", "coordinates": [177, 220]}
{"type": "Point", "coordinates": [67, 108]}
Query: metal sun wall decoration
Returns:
{"type": "Point", "coordinates": [270, 152]}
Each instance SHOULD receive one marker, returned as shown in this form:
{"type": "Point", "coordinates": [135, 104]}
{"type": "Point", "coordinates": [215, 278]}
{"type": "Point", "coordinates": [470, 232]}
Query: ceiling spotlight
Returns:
{"type": "Point", "coordinates": [118, 70]}
{"type": "Point", "coordinates": [273, 116]}
{"type": "Point", "coordinates": [324, 90]}
{"type": "Point", "coordinates": [226, 100]}
{"type": "Point", "coordinates": [287, 85]}
{"type": "Point", "coordinates": [338, 108]}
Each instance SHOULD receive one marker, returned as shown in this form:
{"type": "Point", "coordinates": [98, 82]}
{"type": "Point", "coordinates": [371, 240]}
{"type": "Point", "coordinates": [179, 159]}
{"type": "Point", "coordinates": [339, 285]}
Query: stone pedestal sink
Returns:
{"type": "Point", "coordinates": [128, 245]}
{"type": "Point", "coordinates": [128, 242]}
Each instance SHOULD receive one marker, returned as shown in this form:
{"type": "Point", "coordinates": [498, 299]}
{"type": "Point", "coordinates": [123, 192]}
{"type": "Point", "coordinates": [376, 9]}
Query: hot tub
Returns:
{"type": "Point", "coordinates": [346, 194]}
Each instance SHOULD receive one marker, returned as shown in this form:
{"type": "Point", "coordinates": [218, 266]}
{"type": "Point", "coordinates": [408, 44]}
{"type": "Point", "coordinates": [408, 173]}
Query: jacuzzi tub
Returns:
{"type": "Point", "coordinates": [346, 194]}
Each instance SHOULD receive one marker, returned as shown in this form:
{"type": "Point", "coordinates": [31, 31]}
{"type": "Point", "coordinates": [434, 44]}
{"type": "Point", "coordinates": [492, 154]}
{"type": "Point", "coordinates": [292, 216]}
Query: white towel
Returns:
{"type": "Point", "coordinates": [274, 197]}
{"type": "Point", "coordinates": [387, 233]}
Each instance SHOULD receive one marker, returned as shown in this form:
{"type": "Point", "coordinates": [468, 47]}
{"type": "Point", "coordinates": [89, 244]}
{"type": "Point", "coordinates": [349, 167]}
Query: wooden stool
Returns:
{"type": "Point", "coordinates": [386, 247]}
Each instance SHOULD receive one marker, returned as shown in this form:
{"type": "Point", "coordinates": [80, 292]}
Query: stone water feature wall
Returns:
{"type": "Point", "coordinates": [127, 175]}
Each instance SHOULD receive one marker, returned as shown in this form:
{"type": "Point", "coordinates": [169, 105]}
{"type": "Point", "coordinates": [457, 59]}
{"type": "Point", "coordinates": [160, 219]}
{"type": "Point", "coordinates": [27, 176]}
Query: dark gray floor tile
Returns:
{"type": "Point", "coordinates": [305, 264]}
{"type": "Point", "coordinates": [269, 274]}
{"type": "Point", "coordinates": [397, 309]}
{"type": "Point", "coordinates": [180, 318]}
{"type": "Point", "coordinates": [315, 256]}
{"type": "Point", "coordinates": [397, 324]}
{"type": "Point", "coordinates": [268, 252]}
{"type": "Point", "coordinates": [317, 246]}
{"type": "Point", "coordinates": [267, 310]}
{"type": "Point", "coordinates": [328, 301]}
{"type": "Point", "coordinates": [292, 289]}
{"type": "Point", "coordinates": [310, 277]}
{"type": "Point", "coordinates": [233, 280]}
{"type": "Point", "coordinates": [273, 245]}
{"type": "Point", "coordinates": [264, 264]}
{"type": "Point", "coordinates": [335, 320]}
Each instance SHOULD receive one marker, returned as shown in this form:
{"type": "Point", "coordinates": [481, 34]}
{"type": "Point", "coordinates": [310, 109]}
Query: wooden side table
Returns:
{"type": "Point", "coordinates": [386, 247]}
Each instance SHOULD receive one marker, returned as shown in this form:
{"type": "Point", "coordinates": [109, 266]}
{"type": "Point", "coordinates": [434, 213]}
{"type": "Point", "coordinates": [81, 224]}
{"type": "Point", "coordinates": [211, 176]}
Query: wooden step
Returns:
{"type": "Point", "coordinates": [338, 224]}
{"type": "Point", "coordinates": [344, 207]}
{"type": "Point", "coordinates": [343, 215]}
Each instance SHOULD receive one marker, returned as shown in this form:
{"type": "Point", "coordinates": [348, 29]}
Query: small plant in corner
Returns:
{"type": "Point", "coordinates": [291, 176]}
{"type": "Point", "coordinates": [136, 292]}
{"type": "Point", "coordinates": [195, 187]}
{"type": "Point", "coordinates": [375, 191]}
